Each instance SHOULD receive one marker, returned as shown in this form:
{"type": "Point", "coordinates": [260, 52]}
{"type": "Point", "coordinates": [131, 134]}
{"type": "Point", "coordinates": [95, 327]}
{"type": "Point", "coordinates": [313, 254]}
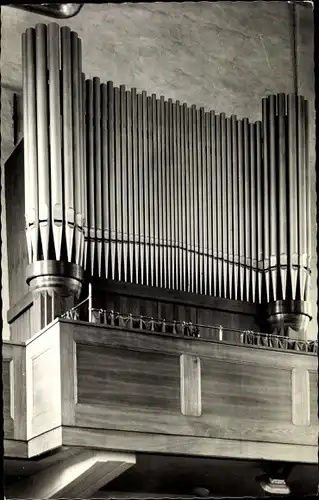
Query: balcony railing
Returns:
{"type": "Point", "coordinates": [85, 312]}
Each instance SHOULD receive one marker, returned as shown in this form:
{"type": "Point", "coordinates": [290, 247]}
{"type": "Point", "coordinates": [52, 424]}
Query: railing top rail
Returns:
{"type": "Point", "coordinates": [186, 329]}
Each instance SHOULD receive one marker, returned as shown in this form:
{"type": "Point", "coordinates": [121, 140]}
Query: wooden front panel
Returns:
{"type": "Point", "coordinates": [242, 392]}
{"type": "Point", "coordinates": [172, 305]}
{"type": "Point", "coordinates": [127, 379]}
{"type": "Point", "coordinates": [246, 391]}
{"type": "Point", "coordinates": [232, 320]}
{"type": "Point", "coordinates": [177, 312]}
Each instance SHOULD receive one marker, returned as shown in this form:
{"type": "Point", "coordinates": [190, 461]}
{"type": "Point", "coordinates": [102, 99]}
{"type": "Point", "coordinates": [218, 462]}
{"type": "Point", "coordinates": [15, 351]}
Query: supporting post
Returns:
{"type": "Point", "coordinates": [80, 476]}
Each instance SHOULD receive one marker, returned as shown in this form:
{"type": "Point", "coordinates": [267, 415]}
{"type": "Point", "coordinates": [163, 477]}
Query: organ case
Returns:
{"type": "Point", "coordinates": [136, 188]}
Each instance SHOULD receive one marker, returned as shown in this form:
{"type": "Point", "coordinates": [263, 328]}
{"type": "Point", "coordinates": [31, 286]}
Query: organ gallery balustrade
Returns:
{"type": "Point", "coordinates": [132, 389]}
{"type": "Point", "coordinates": [181, 329]}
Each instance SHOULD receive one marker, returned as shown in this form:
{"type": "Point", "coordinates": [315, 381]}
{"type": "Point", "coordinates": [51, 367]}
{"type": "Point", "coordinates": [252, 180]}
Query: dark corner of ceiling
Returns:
{"type": "Point", "coordinates": [56, 10]}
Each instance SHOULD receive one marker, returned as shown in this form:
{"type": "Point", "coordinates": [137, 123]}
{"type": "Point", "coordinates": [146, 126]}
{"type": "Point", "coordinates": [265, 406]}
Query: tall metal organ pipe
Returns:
{"type": "Point", "coordinates": [287, 220]}
{"type": "Point", "coordinates": [138, 188]}
{"type": "Point", "coordinates": [54, 167]}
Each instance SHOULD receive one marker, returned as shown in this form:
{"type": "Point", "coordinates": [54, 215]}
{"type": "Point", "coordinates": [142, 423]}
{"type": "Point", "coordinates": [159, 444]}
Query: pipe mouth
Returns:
{"type": "Point", "coordinates": [289, 318]}
{"type": "Point", "coordinates": [66, 278]}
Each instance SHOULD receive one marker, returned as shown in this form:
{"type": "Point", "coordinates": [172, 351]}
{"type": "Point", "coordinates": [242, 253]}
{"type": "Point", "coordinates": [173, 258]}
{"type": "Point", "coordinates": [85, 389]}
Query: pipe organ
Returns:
{"type": "Point", "coordinates": [138, 188]}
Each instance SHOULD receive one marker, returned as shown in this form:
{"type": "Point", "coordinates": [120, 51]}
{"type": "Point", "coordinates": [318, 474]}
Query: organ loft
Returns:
{"type": "Point", "coordinates": [164, 254]}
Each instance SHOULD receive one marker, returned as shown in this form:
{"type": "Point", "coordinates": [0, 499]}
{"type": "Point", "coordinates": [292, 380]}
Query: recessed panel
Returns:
{"type": "Point", "coordinates": [124, 378]}
{"type": "Point", "coordinates": [246, 391]}
{"type": "Point", "coordinates": [42, 370]}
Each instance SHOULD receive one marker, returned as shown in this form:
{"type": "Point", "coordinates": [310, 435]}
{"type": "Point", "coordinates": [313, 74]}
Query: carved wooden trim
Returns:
{"type": "Point", "coordinates": [69, 389]}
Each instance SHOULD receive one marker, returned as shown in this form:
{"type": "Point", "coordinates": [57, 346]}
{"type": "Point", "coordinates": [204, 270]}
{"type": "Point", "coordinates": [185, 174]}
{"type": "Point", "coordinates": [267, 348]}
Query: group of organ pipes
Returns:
{"type": "Point", "coordinates": [137, 188]}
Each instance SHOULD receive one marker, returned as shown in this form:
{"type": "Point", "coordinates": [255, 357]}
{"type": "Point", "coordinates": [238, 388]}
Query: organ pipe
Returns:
{"type": "Point", "coordinates": [53, 131]}
{"type": "Point", "coordinates": [285, 171]}
{"type": "Point", "coordinates": [42, 136]}
{"type": "Point", "coordinates": [30, 124]}
{"type": "Point", "coordinates": [209, 204]}
{"type": "Point", "coordinates": [235, 203]}
{"type": "Point", "coordinates": [252, 220]}
{"type": "Point", "coordinates": [27, 200]}
{"type": "Point", "coordinates": [143, 189]}
{"type": "Point", "coordinates": [130, 181]}
{"type": "Point", "coordinates": [214, 141]}
{"type": "Point", "coordinates": [67, 139]}
{"type": "Point", "coordinates": [260, 193]}
{"type": "Point", "coordinates": [195, 197]}
{"type": "Point", "coordinates": [85, 177]}
{"type": "Point", "coordinates": [306, 290]}
{"type": "Point", "coordinates": [55, 136]}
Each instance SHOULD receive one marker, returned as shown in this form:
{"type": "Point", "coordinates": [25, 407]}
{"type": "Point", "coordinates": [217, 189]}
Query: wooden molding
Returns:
{"type": "Point", "coordinates": [79, 476]}
{"type": "Point", "coordinates": [138, 442]}
{"type": "Point", "coordinates": [44, 443]}
{"type": "Point", "coordinates": [191, 403]}
{"type": "Point", "coordinates": [13, 448]}
{"type": "Point", "coordinates": [69, 378]}
{"type": "Point", "coordinates": [116, 495]}
{"type": "Point", "coordinates": [171, 296]}
{"type": "Point", "coordinates": [14, 355]}
{"type": "Point", "coordinates": [20, 307]}
{"type": "Point", "coordinates": [300, 396]}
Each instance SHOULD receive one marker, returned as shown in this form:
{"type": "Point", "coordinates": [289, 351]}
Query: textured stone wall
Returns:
{"type": "Point", "coordinates": [221, 55]}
